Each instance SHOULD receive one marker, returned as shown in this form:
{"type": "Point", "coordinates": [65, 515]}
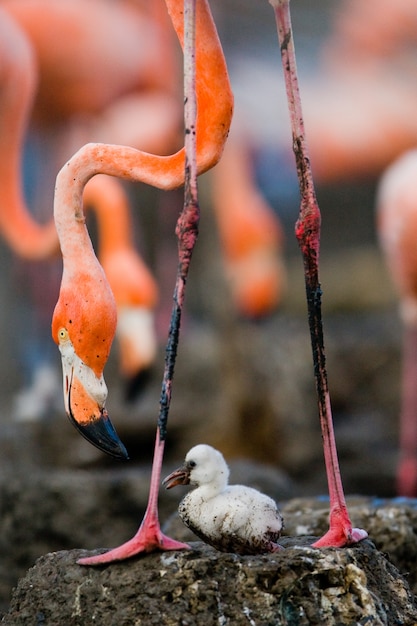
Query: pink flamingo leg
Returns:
{"type": "Point", "coordinates": [149, 536]}
{"type": "Point", "coordinates": [340, 532]}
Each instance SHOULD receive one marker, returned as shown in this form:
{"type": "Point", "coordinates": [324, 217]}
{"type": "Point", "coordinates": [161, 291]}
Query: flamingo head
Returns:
{"type": "Point", "coordinates": [83, 326]}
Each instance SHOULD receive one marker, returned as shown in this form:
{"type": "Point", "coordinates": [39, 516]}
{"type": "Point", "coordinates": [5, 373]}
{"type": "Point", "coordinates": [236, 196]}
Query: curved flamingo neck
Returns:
{"type": "Point", "coordinates": [69, 218]}
{"type": "Point", "coordinates": [214, 106]}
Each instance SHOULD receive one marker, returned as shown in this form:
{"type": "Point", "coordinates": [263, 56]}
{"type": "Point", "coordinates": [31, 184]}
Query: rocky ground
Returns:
{"type": "Point", "coordinates": [245, 387]}
{"type": "Point", "coordinates": [297, 586]}
{"type": "Point", "coordinates": [248, 389]}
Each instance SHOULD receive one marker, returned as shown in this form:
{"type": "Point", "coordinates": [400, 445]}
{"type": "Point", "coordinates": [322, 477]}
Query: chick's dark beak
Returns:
{"type": "Point", "coordinates": [180, 476]}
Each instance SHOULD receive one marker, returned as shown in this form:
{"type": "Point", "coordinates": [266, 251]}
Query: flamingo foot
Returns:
{"type": "Point", "coordinates": [340, 533]}
{"type": "Point", "coordinates": [340, 538]}
{"type": "Point", "coordinates": [149, 538]}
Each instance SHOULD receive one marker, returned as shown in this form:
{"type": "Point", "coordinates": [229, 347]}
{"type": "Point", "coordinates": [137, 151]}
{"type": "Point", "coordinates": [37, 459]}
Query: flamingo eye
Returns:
{"type": "Point", "coordinates": [63, 335]}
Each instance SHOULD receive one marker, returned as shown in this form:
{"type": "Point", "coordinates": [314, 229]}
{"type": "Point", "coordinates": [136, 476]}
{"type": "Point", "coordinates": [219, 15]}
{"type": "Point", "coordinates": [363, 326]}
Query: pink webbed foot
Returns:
{"type": "Point", "coordinates": [340, 538]}
{"type": "Point", "coordinates": [146, 540]}
{"type": "Point", "coordinates": [340, 533]}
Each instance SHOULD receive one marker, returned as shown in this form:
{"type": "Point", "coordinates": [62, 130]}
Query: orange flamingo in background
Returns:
{"type": "Point", "coordinates": [103, 61]}
{"type": "Point", "coordinates": [84, 319]}
{"type": "Point", "coordinates": [397, 228]}
{"type": "Point", "coordinates": [250, 232]}
{"type": "Point", "coordinates": [133, 286]}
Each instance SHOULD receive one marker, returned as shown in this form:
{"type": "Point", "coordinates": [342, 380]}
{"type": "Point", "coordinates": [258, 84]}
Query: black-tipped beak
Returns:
{"type": "Point", "coordinates": [84, 397]}
{"type": "Point", "coordinates": [180, 476]}
{"type": "Point", "coordinates": [100, 432]}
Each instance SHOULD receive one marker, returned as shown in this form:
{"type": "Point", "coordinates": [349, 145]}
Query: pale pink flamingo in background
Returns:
{"type": "Point", "coordinates": [84, 319]}
{"type": "Point", "coordinates": [118, 68]}
{"type": "Point", "coordinates": [397, 229]}
{"type": "Point", "coordinates": [352, 43]}
{"type": "Point", "coordinates": [360, 108]}
{"type": "Point", "coordinates": [140, 83]}
{"type": "Point", "coordinates": [307, 230]}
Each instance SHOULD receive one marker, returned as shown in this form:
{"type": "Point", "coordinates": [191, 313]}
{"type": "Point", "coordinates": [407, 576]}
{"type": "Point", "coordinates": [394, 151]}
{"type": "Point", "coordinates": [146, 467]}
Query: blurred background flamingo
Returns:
{"type": "Point", "coordinates": [121, 87]}
{"type": "Point", "coordinates": [359, 110]}
{"type": "Point", "coordinates": [397, 226]}
{"type": "Point", "coordinates": [362, 131]}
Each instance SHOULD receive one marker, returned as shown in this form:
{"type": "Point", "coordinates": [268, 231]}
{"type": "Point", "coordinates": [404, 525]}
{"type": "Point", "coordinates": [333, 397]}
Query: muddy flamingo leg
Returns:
{"type": "Point", "coordinates": [149, 536]}
{"type": "Point", "coordinates": [340, 532]}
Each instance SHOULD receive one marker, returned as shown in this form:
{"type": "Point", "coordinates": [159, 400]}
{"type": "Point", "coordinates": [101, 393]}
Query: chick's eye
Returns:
{"type": "Point", "coordinates": [63, 334]}
{"type": "Point", "coordinates": [192, 464]}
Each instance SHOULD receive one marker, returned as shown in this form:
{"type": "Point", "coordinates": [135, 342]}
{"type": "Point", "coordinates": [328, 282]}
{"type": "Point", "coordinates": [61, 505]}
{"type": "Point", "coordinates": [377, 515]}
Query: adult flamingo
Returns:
{"type": "Point", "coordinates": [114, 98]}
{"type": "Point", "coordinates": [57, 95]}
{"type": "Point", "coordinates": [397, 228]}
{"type": "Point", "coordinates": [84, 319]}
{"type": "Point", "coordinates": [134, 287]}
